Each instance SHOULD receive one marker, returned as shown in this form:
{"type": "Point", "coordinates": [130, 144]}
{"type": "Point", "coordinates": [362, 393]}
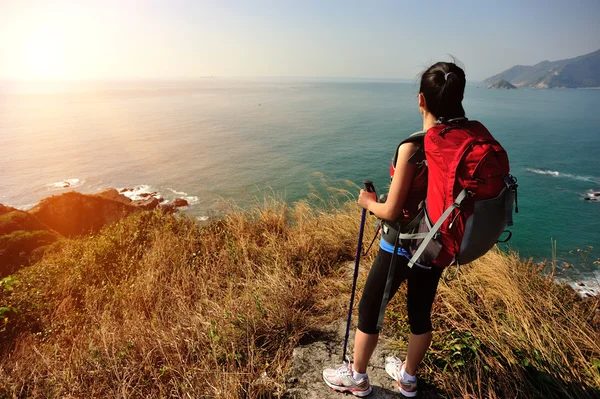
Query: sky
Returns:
{"type": "Point", "coordinates": [180, 39]}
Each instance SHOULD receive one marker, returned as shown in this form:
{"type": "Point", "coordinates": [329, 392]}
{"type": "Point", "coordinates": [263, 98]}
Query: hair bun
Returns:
{"type": "Point", "coordinates": [446, 75]}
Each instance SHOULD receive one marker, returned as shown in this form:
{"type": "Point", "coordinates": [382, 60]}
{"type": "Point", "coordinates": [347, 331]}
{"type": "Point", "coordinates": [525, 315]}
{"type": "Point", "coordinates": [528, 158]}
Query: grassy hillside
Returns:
{"type": "Point", "coordinates": [158, 306]}
{"type": "Point", "coordinates": [23, 238]}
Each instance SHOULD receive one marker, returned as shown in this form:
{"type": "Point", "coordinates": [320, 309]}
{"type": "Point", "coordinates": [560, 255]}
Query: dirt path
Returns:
{"type": "Point", "coordinates": [325, 350]}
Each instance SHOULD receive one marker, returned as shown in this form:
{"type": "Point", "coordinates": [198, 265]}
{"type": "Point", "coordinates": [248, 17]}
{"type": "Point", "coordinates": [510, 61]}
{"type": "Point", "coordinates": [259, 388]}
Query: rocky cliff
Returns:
{"type": "Point", "coordinates": [73, 214]}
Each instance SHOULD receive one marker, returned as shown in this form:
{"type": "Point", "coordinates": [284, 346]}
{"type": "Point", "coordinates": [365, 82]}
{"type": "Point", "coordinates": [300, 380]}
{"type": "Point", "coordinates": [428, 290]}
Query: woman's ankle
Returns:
{"type": "Point", "coordinates": [407, 375]}
{"type": "Point", "coordinates": [358, 375]}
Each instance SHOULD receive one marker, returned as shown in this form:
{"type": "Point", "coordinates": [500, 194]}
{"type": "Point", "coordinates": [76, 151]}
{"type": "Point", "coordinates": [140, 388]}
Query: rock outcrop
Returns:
{"type": "Point", "coordinates": [73, 214]}
{"type": "Point", "coordinates": [180, 202]}
{"type": "Point", "coordinates": [146, 204]}
{"type": "Point", "coordinates": [113, 194]}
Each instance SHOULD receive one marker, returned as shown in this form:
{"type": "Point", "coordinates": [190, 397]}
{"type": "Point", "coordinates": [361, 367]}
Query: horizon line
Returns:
{"type": "Point", "coordinates": [206, 77]}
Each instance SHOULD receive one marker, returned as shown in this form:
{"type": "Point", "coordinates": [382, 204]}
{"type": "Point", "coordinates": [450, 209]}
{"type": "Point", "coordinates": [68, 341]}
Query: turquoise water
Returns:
{"type": "Point", "coordinates": [213, 139]}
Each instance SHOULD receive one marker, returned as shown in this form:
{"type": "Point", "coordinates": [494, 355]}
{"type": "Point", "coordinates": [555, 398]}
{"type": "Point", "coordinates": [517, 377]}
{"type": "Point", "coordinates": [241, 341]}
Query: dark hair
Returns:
{"type": "Point", "coordinates": [443, 86]}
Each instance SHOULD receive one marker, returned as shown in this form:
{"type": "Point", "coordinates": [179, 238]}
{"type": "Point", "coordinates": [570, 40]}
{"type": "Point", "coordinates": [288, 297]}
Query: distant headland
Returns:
{"type": "Point", "coordinates": [502, 84]}
{"type": "Point", "coordinates": [578, 72]}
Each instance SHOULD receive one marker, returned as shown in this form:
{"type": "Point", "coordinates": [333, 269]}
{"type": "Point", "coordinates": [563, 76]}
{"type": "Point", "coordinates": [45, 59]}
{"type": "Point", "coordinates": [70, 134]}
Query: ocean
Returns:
{"type": "Point", "coordinates": [211, 140]}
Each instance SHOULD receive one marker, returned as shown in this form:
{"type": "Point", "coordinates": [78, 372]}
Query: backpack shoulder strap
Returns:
{"type": "Point", "coordinates": [417, 138]}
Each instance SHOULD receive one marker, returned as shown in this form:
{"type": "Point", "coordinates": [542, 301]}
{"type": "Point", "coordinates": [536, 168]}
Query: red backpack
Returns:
{"type": "Point", "coordinates": [470, 196]}
{"type": "Point", "coordinates": [469, 203]}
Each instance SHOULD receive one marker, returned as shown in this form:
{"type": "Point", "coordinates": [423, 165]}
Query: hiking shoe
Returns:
{"type": "Point", "coordinates": [341, 380]}
{"type": "Point", "coordinates": [393, 366]}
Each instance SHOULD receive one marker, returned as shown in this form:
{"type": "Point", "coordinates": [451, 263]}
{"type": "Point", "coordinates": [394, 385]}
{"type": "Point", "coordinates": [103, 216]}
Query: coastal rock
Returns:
{"type": "Point", "coordinates": [73, 214]}
{"type": "Point", "coordinates": [580, 284]}
{"type": "Point", "coordinates": [179, 202]}
{"type": "Point", "coordinates": [146, 204]}
{"type": "Point", "coordinates": [124, 190]}
{"type": "Point", "coordinates": [113, 194]}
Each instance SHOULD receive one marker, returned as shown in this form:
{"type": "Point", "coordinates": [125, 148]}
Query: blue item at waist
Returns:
{"type": "Point", "coordinates": [387, 247]}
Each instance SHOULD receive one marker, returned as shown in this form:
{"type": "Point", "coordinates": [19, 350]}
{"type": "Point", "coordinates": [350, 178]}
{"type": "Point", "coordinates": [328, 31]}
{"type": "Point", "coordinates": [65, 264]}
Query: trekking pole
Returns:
{"type": "Point", "coordinates": [371, 189]}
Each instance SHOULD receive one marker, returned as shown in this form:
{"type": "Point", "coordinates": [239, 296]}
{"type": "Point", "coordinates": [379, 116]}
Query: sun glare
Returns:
{"type": "Point", "coordinates": [42, 44]}
{"type": "Point", "coordinates": [44, 57]}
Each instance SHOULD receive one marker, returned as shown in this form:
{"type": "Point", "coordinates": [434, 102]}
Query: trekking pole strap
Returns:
{"type": "Point", "coordinates": [366, 251]}
{"type": "Point", "coordinates": [436, 227]}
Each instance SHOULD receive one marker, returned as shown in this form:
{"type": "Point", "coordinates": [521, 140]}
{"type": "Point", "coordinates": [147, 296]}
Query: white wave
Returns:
{"type": "Point", "coordinates": [192, 199]}
{"type": "Point", "coordinates": [592, 196]}
{"type": "Point", "coordinates": [139, 192]}
{"type": "Point", "coordinates": [565, 175]}
{"type": "Point", "coordinates": [183, 193]}
{"type": "Point", "coordinates": [202, 218]}
{"type": "Point", "coordinates": [543, 172]}
{"type": "Point", "coordinates": [66, 184]}
{"type": "Point", "coordinates": [145, 191]}
{"type": "Point", "coordinates": [589, 286]}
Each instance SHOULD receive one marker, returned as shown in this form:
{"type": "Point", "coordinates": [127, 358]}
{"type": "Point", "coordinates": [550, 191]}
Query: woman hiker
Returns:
{"type": "Point", "coordinates": [440, 96]}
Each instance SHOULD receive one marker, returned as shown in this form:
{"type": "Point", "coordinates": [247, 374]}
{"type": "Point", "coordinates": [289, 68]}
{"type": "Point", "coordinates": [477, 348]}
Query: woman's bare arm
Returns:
{"type": "Point", "coordinates": [405, 171]}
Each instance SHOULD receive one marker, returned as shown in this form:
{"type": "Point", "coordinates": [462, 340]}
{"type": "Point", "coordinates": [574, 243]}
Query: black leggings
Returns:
{"type": "Point", "coordinates": [422, 285]}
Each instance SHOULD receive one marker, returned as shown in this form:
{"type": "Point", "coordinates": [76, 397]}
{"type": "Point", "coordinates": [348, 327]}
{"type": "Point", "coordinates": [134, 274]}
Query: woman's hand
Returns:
{"type": "Point", "coordinates": [365, 198]}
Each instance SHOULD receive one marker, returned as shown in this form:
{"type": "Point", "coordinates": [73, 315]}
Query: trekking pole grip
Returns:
{"type": "Point", "coordinates": [369, 187]}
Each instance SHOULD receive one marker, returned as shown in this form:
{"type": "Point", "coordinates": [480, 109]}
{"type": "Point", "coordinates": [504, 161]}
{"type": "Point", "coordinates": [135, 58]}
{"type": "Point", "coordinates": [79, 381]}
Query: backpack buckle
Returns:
{"type": "Point", "coordinates": [459, 201]}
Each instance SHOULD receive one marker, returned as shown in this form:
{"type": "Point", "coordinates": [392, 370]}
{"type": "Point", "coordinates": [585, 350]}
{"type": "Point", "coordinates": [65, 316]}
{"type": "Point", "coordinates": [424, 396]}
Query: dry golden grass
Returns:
{"type": "Point", "coordinates": [504, 331]}
{"type": "Point", "coordinates": [158, 306]}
